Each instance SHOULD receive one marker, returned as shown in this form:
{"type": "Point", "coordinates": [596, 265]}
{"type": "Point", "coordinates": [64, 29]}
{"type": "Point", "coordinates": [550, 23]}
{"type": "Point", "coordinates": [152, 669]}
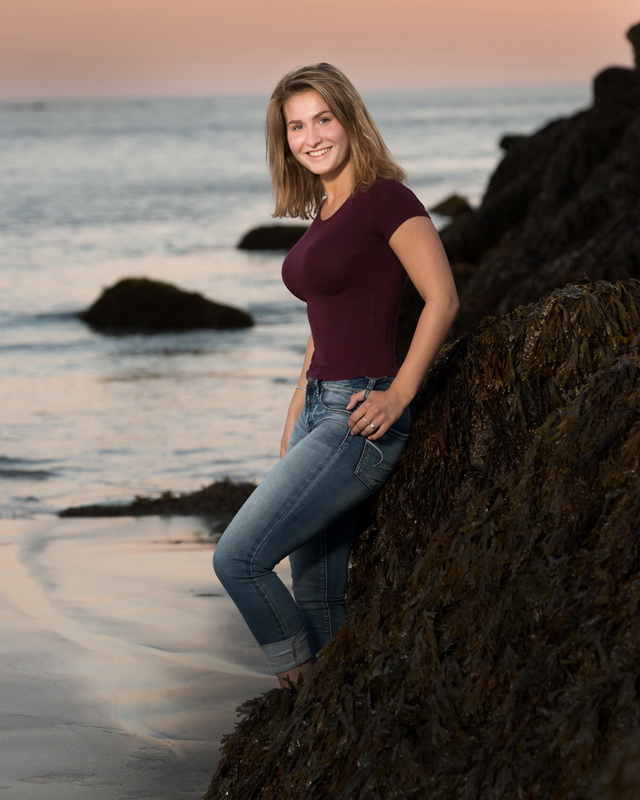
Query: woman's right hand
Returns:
{"type": "Point", "coordinates": [295, 409]}
{"type": "Point", "coordinates": [286, 436]}
{"type": "Point", "coordinates": [297, 401]}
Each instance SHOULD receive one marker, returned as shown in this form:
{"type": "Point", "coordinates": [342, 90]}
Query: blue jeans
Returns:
{"type": "Point", "coordinates": [304, 509]}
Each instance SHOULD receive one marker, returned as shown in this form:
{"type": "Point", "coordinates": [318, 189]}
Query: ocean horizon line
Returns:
{"type": "Point", "coordinates": [35, 100]}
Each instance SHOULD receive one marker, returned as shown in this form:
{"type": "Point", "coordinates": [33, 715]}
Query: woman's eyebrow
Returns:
{"type": "Point", "coordinates": [315, 116]}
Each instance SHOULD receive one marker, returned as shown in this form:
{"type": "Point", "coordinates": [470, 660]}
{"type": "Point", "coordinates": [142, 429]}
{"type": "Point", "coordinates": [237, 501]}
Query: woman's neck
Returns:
{"type": "Point", "coordinates": [338, 187]}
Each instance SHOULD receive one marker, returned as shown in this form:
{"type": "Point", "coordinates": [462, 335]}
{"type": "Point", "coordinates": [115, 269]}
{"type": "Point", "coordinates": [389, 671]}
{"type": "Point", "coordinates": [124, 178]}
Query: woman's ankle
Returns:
{"type": "Point", "coordinates": [293, 676]}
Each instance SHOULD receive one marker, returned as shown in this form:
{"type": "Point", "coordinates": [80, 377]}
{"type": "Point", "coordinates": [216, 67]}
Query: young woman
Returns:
{"type": "Point", "coordinates": [348, 420]}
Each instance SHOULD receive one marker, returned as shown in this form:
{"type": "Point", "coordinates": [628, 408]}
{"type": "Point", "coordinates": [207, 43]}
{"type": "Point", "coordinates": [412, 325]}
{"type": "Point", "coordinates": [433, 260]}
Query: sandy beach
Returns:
{"type": "Point", "coordinates": [122, 660]}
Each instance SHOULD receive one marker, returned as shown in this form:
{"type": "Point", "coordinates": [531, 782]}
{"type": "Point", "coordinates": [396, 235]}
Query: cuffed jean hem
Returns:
{"type": "Point", "coordinates": [287, 654]}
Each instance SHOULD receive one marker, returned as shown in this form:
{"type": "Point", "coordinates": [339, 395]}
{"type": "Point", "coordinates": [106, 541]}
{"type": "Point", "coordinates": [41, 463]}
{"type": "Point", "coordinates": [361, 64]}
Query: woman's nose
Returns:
{"type": "Point", "coordinates": [313, 137]}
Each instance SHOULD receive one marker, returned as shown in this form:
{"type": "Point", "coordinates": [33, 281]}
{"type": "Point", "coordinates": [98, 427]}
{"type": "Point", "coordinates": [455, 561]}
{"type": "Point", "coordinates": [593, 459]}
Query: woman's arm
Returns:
{"type": "Point", "coordinates": [297, 401]}
{"type": "Point", "coordinates": [418, 246]}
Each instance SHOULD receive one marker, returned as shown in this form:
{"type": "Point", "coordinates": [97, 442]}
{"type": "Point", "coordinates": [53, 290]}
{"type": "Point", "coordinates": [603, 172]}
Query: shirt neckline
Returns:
{"type": "Point", "coordinates": [337, 211]}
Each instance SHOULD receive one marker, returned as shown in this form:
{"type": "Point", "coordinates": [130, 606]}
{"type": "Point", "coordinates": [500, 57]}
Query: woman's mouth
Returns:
{"type": "Point", "coordinates": [318, 153]}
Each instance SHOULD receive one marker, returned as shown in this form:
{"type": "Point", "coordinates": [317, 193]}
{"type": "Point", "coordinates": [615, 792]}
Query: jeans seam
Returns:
{"type": "Point", "coordinates": [325, 594]}
{"type": "Point", "coordinates": [269, 603]}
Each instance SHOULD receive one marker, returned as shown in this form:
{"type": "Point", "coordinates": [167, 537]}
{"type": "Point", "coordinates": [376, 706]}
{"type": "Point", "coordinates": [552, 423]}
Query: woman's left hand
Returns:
{"type": "Point", "coordinates": [375, 415]}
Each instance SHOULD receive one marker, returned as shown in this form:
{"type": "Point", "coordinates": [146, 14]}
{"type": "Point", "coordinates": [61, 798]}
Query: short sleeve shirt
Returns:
{"type": "Point", "coordinates": [352, 282]}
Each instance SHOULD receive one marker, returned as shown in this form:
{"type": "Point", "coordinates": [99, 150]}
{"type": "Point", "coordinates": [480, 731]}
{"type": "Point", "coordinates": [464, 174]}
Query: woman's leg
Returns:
{"type": "Point", "coordinates": [319, 570]}
{"type": "Point", "coordinates": [304, 494]}
{"type": "Point", "coordinates": [323, 476]}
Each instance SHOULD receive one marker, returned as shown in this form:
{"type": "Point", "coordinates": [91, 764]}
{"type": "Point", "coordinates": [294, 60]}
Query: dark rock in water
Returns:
{"type": "Point", "coordinates": [141, 304]}
{"type": "Point", "coordinates": [219, 497]}
{"type": "Point", "coordinates": [562, 206]}
{"type": "Point", "coordinates": [452, 206]}
{"type": "Point", "coordinates": [491, 650]}
{"type": "Point", "coordinates": [272, 237]}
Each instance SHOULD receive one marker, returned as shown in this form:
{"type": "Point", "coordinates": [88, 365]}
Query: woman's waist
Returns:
{"type": "Point", "coordinates": [353, 385]}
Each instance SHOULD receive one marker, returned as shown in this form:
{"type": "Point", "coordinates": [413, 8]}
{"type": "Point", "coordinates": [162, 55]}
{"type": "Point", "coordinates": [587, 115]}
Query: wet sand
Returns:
{"type": "Point", "coordinates": [122, 661]}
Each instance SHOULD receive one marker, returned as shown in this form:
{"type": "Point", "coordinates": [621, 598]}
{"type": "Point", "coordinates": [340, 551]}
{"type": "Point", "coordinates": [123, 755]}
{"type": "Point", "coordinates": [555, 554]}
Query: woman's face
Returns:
{"type": "Point", "coordinates": [316, 138]}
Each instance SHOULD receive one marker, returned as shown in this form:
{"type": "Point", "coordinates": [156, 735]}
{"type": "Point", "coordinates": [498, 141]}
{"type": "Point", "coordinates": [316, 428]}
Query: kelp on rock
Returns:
{"type": "Point", "coordinates": [491, 650]}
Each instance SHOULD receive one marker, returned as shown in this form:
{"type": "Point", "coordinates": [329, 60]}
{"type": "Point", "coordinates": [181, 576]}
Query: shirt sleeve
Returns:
{"type": "Point", "coordinates": [392, 204]}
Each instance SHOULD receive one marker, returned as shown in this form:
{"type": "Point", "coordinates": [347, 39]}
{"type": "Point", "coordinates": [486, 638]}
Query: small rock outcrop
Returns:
{"type": "Point", "coordinates": [452, 206]}
{"type": "Point", "coordinates": [272, 237]}
{"type": "Point", "coordinates": [223, 496]}
{"type": "Point", "coordinates": [141, 304]}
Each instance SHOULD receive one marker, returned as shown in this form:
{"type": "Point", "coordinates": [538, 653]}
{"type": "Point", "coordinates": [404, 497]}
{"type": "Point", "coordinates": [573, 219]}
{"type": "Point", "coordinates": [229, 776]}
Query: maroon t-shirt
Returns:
{"type": "Point", "coordinates": [352, 281]}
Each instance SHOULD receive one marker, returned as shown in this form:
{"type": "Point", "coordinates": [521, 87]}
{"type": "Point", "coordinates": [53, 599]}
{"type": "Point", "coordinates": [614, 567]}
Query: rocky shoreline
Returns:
{"type": "Point", "coordinates": [561, 207]}
{"type": "Point", "coordinates": [492, 638]}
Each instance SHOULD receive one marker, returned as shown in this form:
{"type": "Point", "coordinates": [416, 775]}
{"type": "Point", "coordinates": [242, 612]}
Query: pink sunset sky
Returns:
{"type": "Point", "coordinates": [58, 48]}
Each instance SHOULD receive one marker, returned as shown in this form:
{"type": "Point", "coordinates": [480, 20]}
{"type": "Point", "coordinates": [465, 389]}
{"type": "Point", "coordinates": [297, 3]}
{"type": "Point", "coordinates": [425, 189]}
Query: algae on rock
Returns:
{"type": "Point", "coordinates": [491, 651]}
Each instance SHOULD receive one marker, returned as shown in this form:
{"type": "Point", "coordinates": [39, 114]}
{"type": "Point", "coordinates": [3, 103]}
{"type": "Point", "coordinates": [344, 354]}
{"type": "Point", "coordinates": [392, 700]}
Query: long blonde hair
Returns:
{"type": "Point", "coordinates": [297, 191]}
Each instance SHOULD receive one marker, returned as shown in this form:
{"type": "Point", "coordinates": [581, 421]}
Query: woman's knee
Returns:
{"type": "Point", "coordinates": [225, 565]}
{"type": "Point", "coordinates": [218, 563]}
{"type": "Point", "coordinates": [234, 562]}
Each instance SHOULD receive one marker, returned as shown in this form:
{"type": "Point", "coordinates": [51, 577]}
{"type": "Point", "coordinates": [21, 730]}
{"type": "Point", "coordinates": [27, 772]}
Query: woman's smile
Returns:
{"type": "Point", "coordinates": [319, 153]}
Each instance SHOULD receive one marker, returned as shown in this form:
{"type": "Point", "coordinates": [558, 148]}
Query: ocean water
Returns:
{"type": "Point", "coordinates": [96, 190]}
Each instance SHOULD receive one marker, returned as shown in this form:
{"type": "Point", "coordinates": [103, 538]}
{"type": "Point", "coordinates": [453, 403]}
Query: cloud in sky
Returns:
{"type": "Point", "coordinates": [140, 47]}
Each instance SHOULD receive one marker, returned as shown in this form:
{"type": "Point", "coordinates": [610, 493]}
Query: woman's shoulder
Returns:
{"type": "Point", "coordinates": [387, 193]}
{"type": "Point", "coordinates": [392, 203]}
{"type": "Point", "coordinates": [388, 187]}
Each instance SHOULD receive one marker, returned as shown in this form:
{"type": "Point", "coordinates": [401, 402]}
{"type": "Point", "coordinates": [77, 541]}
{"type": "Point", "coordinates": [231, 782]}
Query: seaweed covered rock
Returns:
{"type": "Point", "coordinates": [562, 206]}
{"type": "Point", "coordinates": [142, 304]}
{"type": "Point", "coordinates": [220, 497]}
{"type": "Point", "coordinates": [272, 237]}
{"type": "Point", "coordinates": [491, 651]}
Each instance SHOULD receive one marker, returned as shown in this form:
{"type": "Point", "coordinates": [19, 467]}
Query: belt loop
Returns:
{"type": "Point", "coordinates": [368, 390]}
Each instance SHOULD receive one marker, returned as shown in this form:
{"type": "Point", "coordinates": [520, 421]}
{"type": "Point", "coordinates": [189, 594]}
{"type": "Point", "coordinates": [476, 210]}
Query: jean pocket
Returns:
{"type": "Point", "coordinates": [379, 458]}
{"type": "Point", "coordinates": [336, 398]}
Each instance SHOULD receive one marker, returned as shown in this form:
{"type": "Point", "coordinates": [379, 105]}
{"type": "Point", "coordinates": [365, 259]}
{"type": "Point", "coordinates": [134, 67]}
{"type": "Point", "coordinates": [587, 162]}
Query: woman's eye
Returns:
{"type": "Point", "coordinates": [322, 120]}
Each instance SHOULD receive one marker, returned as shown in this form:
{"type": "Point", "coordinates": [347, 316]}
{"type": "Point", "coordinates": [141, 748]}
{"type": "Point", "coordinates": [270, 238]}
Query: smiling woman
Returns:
{"type": "Point", "coordinates": [348, 420]}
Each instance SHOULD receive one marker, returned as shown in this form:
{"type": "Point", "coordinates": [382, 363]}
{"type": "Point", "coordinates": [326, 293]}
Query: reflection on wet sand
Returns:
{"type": "Point", "coordinates": [123, 660]}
